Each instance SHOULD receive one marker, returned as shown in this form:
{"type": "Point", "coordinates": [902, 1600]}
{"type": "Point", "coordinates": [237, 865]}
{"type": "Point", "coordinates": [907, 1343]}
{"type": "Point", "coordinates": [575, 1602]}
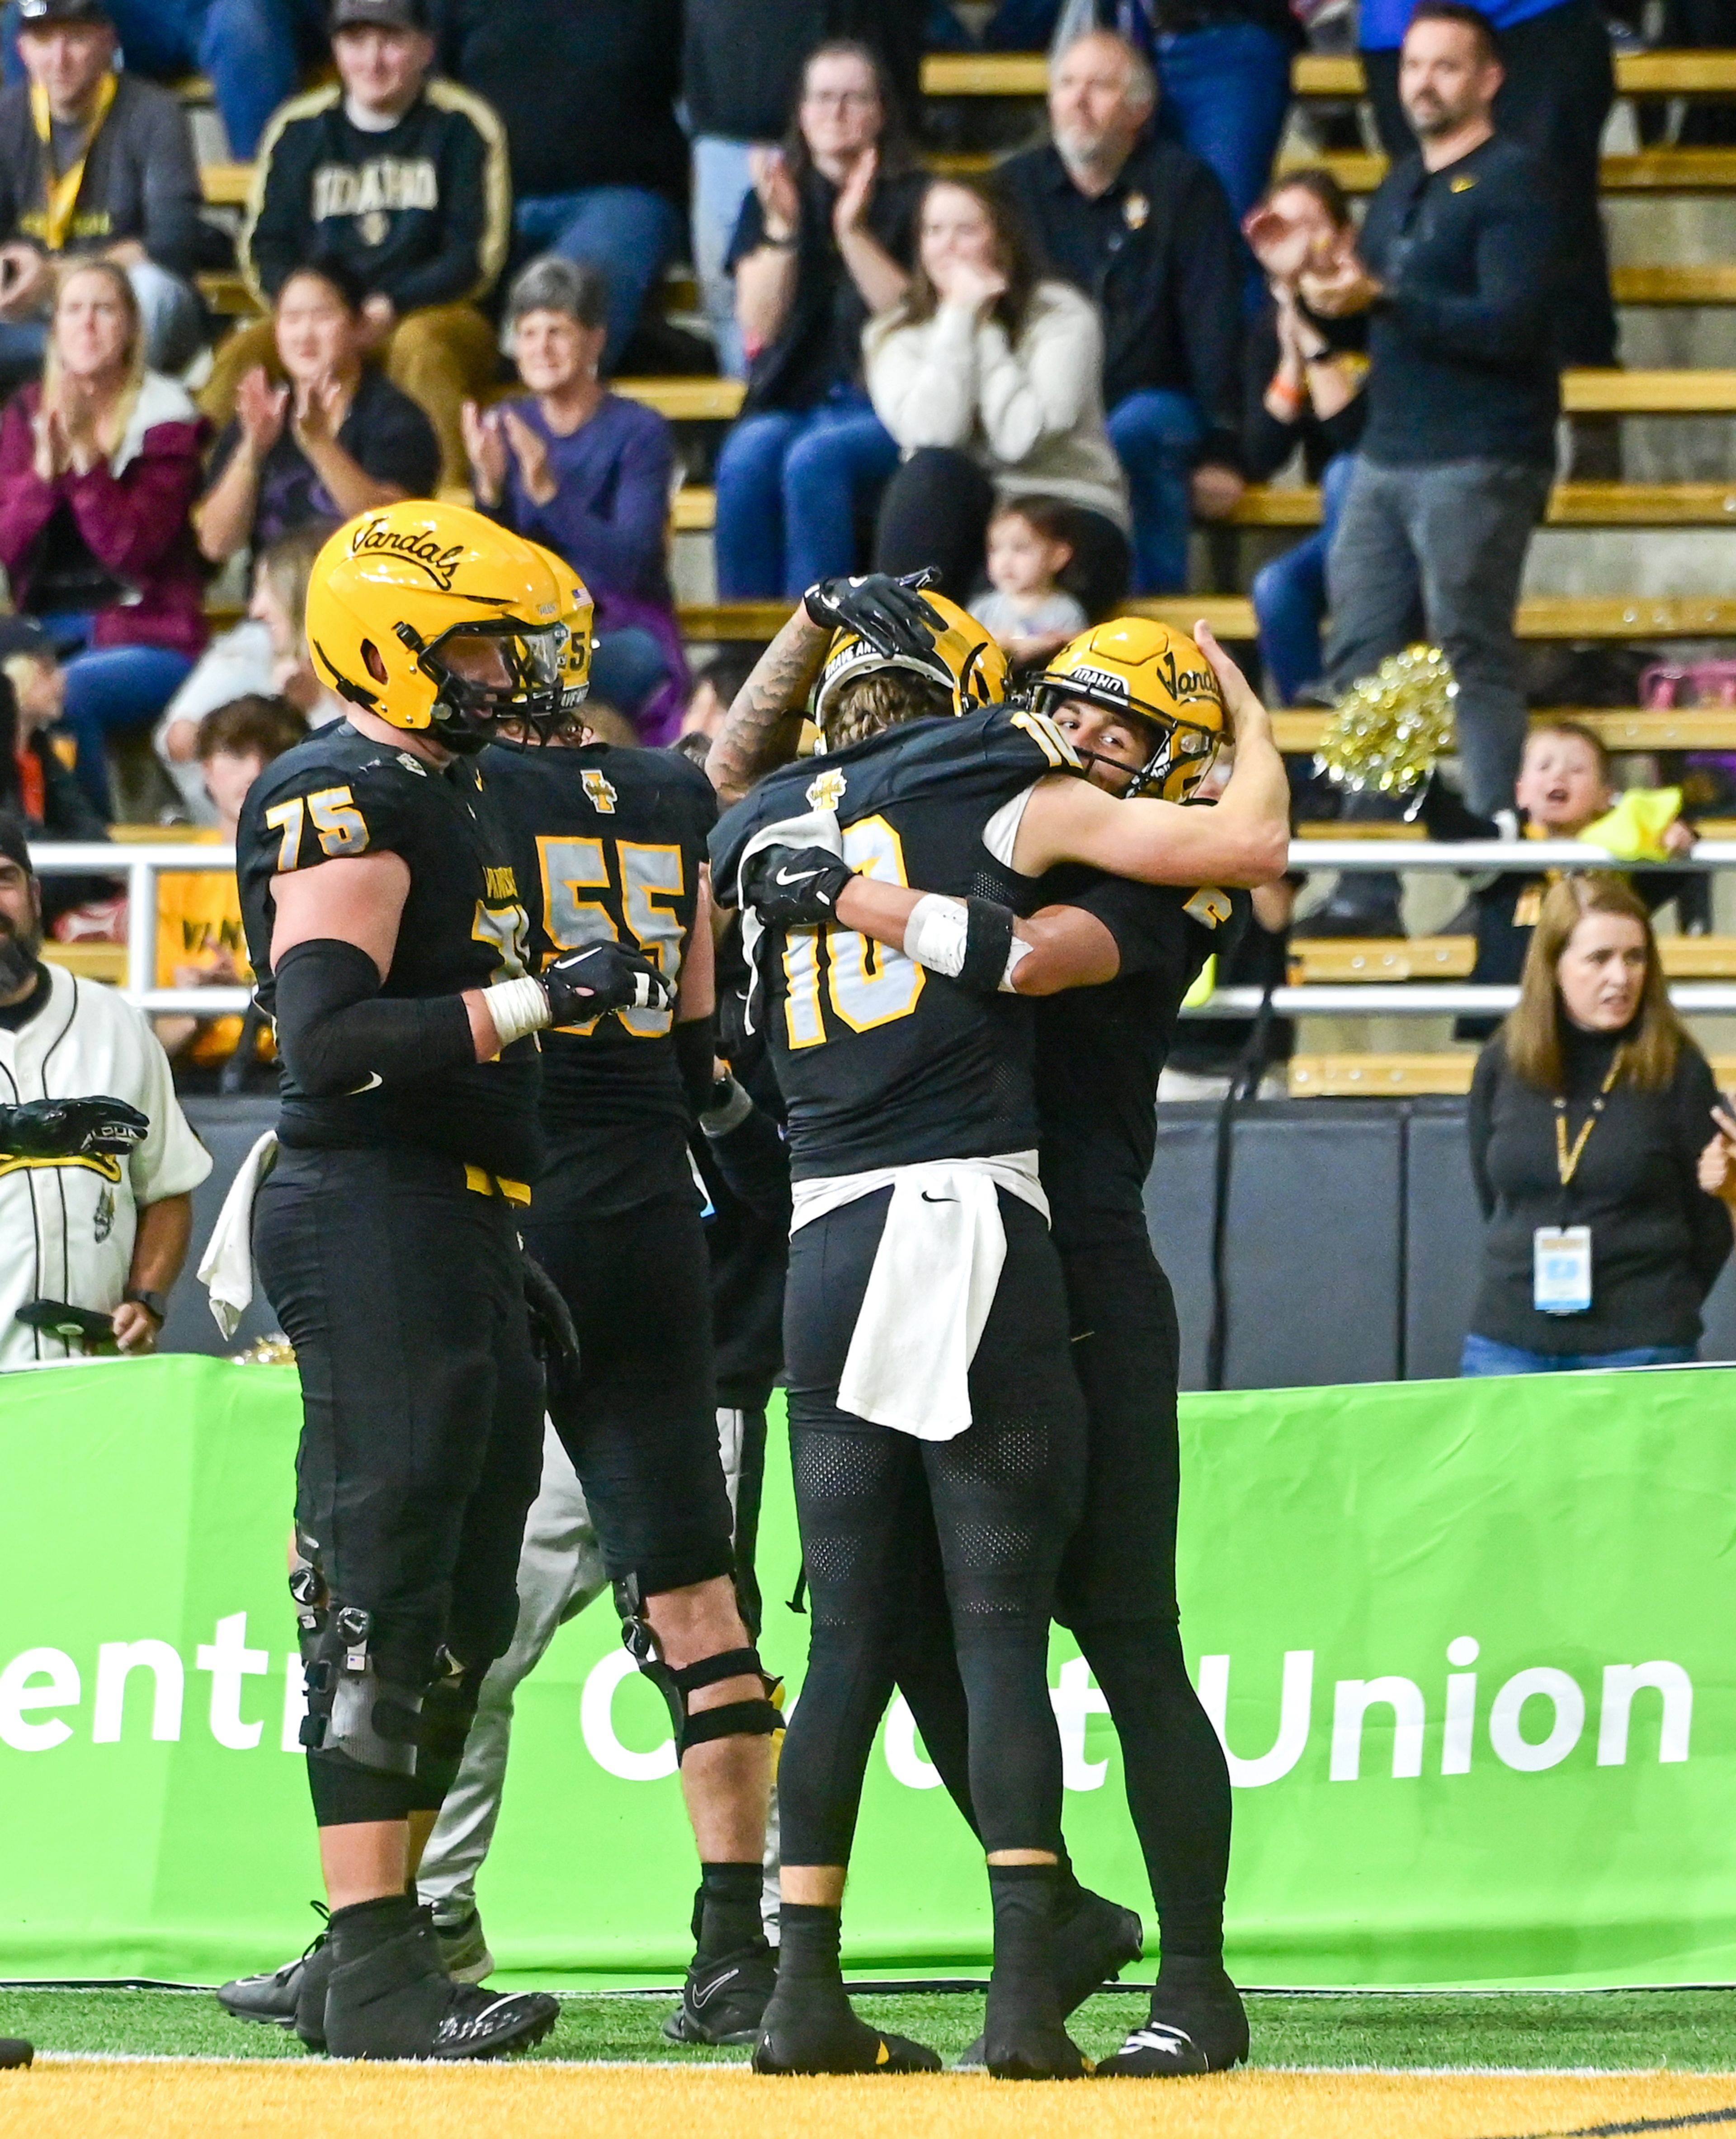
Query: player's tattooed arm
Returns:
{"type": "Point", "coordinates": [763, 726]}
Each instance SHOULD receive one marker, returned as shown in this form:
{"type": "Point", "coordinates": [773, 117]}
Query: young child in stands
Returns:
{"type": "Point", "coordinates": [1028, 614]}
{"type": "Point", "coordinates": [200, 942]}
{"type": "Point", "coordinates": [1565, 785]}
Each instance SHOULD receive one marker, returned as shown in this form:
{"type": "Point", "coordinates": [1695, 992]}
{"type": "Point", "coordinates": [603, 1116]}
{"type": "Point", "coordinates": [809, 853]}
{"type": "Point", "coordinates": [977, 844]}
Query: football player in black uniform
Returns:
{"type": "Point", "coordinates": [924, 1294]}
{"type": "Point", "coordinates": [609, 847]}
{"type": "Point", "coordinates": [385, 924]}
{"type": "Point", "coordinates": [1113, 960]}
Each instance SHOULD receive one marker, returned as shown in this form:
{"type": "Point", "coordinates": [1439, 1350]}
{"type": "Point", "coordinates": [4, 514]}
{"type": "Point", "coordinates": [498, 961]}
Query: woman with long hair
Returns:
{"type": "Point", "coordinates": [1302, 391]}
{"type": "Point", "coordinates": [990, 380]}
{"type": "Point", "coordinates": [825, 240]}
{"type": "Point", "coordinates": [99, 466]}
{"type": "Point", "coordinates": [1590, 1113]}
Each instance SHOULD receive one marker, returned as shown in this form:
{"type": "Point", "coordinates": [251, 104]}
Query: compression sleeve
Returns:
{"type": "Point", "coordinates": [337, 1034]}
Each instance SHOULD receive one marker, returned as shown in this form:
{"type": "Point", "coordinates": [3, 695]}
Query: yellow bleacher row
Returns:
{"type": "Point", "coordinates": [1026, 74]}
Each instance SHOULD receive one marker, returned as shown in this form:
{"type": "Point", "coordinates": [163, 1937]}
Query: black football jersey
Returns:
{"type": "Point", "coordinates": [880, 1062]}
{"type": "Point", "coordinates": [341, 794]}
{"type": "Point", "coordinates": [608, 845]}
{"type": "Point", "coordinates": [1101, 1051]}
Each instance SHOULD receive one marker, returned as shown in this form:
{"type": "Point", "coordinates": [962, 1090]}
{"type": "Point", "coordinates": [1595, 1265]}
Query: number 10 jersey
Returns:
{"type": "Point", "coordinates": [880, 1062]}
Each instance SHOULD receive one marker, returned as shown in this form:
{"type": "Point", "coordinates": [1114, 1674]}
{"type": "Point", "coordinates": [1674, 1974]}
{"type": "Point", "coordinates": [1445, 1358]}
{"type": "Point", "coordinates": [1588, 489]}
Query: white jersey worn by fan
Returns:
{"type": "Point", "coordinates": [66, 1225]}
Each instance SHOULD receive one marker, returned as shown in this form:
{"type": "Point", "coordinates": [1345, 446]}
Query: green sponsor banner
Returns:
{"type": "Point", "coordinates": [1469, 1644]}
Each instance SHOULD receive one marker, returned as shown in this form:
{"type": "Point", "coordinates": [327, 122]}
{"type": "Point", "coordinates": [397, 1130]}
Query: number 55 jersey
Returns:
{"type": "Point", "coordinates": [340, 796]}
{"type": "Point", "coordinates": [608, 846]}
{"type": "Point", "coordinates": [881, 1063]}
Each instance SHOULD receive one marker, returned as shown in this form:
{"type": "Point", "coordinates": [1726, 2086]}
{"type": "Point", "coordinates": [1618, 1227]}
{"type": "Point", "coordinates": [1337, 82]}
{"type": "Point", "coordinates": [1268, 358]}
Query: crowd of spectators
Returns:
{"type": "Point", "coordinates": [1040, 380]}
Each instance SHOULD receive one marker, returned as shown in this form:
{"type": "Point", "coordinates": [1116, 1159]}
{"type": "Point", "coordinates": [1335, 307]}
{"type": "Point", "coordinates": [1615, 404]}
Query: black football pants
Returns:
{"type": "Point", "coordinates": [989, 1510]}
{"type": "Point", "coordinates": [1117, 1594]}
{"type": "Point", "coordinates": [421, 1450]}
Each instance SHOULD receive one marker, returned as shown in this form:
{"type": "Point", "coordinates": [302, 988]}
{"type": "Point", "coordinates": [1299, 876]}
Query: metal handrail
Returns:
{"type": "Point", "coordinates": [142, 865]}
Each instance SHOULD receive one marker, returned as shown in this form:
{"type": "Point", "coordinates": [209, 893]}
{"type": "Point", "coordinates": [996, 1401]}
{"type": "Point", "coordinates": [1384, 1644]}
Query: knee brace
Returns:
{"type": "Point", "coordinates": [351, 1708]}
{"type": "Point", "coordinates": [735, 1719]}
{"type": "Point", "coordinates": [448, 1709]}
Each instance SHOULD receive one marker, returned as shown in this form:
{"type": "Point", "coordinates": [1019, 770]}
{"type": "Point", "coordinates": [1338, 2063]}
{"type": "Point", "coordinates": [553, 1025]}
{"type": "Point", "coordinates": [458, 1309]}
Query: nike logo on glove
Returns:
{"type": "Point", "coordinates": [375, 1081]}
{"type": "Point", "coordinates": [927, 1198]}
{"type": "Point", "coordinates": [796, 876]}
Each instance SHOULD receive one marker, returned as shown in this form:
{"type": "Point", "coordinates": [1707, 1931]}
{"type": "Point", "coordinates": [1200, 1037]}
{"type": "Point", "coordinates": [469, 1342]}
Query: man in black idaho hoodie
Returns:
{"type": "Point", "coordinates": [400, 183]}
{"type": "Point", "coordinates": [742, 66]}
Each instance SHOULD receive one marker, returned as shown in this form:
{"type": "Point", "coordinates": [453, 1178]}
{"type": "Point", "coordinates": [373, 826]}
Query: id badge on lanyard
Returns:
{"type": "Point", "coordinates": [1561, 1270]}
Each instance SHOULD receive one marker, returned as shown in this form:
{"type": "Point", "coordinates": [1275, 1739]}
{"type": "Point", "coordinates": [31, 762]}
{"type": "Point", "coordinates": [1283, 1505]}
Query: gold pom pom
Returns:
{"type": "Point", "coordinates": [269, 1352]}
{"type": "Point", "coordinates": [1390, 727]}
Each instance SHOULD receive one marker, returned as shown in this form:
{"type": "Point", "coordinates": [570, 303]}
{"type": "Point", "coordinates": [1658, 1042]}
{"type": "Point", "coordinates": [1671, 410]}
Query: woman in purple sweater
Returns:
{"type": "Point", "coordinates": [98, 466]}
{"type": "Point", "coordinates": [588, 475]}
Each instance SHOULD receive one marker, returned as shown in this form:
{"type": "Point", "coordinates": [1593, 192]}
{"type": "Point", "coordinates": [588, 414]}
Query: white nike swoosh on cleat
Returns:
{"type": "Point", "coordinates": [705, 1997]}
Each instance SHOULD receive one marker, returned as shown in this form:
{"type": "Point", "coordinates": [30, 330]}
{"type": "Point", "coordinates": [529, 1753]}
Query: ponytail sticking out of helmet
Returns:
{"type": "Point", "coordinates": [1154, 674]}
{"type": "Point", "coordinates": [963, 660]}
{"type": "Point", "coordinates": [434, 618]}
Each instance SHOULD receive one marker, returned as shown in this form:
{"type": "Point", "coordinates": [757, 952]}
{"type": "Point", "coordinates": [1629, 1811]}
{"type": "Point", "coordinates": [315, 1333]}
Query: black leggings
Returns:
{"type": "Point", "coordinates": [1118, 1596]}
{"type": "Point", "coordinates": [935, 511]}
{"type": "Point", "coordinates": [887, 1520]}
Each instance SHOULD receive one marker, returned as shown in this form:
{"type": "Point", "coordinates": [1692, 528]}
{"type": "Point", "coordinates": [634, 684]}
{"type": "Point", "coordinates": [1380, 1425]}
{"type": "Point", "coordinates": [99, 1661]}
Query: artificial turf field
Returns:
{"type": "Point", "coordinates": [1502, 2066]}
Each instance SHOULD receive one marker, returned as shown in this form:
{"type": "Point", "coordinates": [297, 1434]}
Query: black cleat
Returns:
{"type": "Point", "coordinates": [724, 2000]}
{"type": "Point", "coordinates": [14, 2055]}
{"type": "Point", "coordinates": [309, 2022]}
{"type": "Point", "coordinates": [1198, 2024]}
{"type": "Point", "coordinates": [1093, 1944]}
{"type": "Point", "coordinates": [397, 2001]}
{"type": "Point", "coordinates": [274, 1998]}
{"type": "Point", "coordinates": [823, 2035]}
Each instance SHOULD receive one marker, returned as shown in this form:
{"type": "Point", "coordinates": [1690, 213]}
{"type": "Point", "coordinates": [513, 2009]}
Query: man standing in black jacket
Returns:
{"type": "Point", "coordinates": [1144, 228]}
{"type": "Point", "coordinates": [741, 68]}
{"type": "Point", "coordinates": [1456, 275]}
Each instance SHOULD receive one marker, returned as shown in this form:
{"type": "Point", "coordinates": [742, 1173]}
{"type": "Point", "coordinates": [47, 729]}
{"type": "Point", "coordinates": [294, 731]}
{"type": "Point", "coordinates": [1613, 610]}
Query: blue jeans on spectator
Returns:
{"type": "Point", "coordinates": [1157, 433]}
{"type": "Point", "coordinates": [253, 50]}
{"type": "Point", "coordinates": [1289, 595]}
{"type": "Point", "coordinates": [109, 688]}
{"type": "Point", "coordinates": [1484, 1355]}
{"type": "Point", "coordinates": [792, 484]}
{"type": "Point", "coordinates": [721, 182]}
{"type": "Point", "coordinates": [627, 666]}
{"type": "Point", "coordinates": [1226, 89]}
{"type": "Point", "coordinates": [629, 232]}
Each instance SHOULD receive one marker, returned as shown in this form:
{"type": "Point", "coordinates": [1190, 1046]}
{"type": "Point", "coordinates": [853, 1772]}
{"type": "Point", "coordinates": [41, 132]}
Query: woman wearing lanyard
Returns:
{"type": "Point", "coordinates": [1589, 1112]}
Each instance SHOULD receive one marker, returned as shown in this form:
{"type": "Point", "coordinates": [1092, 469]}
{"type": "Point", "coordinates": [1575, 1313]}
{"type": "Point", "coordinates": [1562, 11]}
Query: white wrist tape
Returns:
{"type": "Point", "coordinates": [517, 1007]}
{"type": "Point", "coordinates": [934, 935]}
{"type": "Point", "coordinates": [1016, 949]}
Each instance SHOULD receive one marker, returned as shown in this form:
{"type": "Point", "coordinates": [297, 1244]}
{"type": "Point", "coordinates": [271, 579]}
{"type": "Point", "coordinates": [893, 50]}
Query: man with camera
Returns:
{"type": "Point", "coordinates": [97, 1162]}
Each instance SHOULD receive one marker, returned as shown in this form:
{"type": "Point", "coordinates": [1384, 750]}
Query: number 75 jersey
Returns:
{"type": "Point", "coordinates": [880, 1062]}
{"type": "Point", "coordinates": [608, 846]}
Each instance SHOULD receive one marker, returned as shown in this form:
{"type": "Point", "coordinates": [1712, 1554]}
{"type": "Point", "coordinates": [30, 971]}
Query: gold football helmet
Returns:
{"type": "Point", "coordinates": [1151, 673]}
{"type": "Point", "coordinates": [963, 659]}
{"type": "Point", "coordinates": [434, 618]}
{"type": "Point", "coordinates": [578, 613]}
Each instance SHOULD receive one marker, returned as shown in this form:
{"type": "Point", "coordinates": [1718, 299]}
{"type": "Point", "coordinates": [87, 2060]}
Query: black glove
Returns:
{"type": "Point", "coordinates": [584, 984]}
{"type": "Point", "coordinates": [70, 1129]}
{"type": "Point", "coordinates": [796, 887]}
{"type": "Point", "coordinates": [551, 1324]}
{"type": "Point", "coordinates": [889, 614]}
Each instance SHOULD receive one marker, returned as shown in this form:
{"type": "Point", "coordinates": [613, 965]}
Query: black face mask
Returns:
{"type": "Point", "coordinates": [19, 950]}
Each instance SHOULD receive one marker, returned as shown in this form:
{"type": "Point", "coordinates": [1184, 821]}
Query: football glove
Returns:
{"type": "Point", "coordinates": [887, 614]}
{"type": "Point", "coordinates": [795, 887]}
{"type": "Point", "coordinates": [552, 1333]}
{"type": "Point", "coordinates": [70, 1129]}
{"type": "Point", "coordinates": [584, 984]}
